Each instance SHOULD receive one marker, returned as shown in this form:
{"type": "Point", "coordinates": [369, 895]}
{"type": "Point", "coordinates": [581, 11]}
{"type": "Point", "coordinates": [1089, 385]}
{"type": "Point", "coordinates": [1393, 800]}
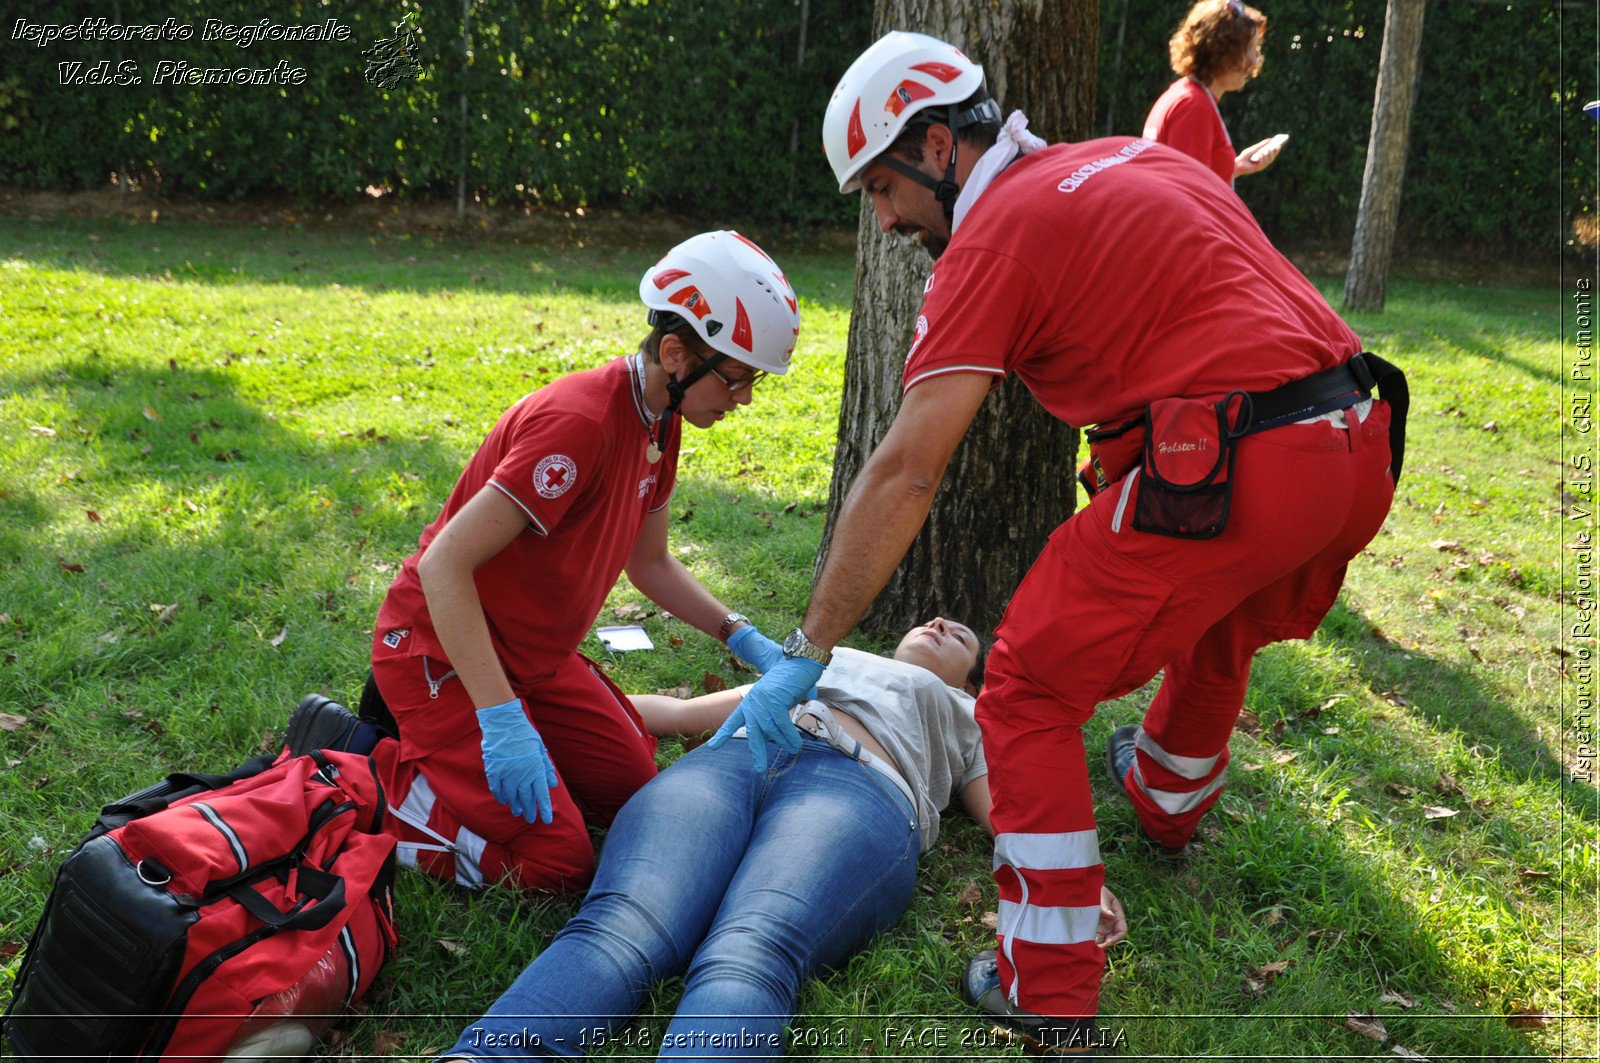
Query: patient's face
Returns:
{"type": "Point", "coordinates": [943, 647]}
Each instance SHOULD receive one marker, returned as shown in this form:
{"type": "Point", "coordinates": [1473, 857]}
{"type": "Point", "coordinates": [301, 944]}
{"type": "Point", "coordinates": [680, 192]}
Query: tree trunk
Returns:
{"type": "Point", "coordinates": [1011, 481]}
{"type": "Point", "coordinates": [1398, 70]}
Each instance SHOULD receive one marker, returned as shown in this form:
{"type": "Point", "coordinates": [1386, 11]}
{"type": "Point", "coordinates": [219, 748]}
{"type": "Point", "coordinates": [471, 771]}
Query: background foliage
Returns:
{"type": "Point", "coordinates": [705, 106]}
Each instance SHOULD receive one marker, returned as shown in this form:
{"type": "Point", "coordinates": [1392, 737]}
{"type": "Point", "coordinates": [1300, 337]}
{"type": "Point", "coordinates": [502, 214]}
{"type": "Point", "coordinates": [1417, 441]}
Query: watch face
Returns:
{"type": "Point", "coordinates": [795, 644]}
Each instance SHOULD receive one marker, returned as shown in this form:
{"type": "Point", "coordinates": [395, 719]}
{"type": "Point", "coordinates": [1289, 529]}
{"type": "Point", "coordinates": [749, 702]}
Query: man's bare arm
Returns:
{"type": "Point", "coordinates": [889, 501]}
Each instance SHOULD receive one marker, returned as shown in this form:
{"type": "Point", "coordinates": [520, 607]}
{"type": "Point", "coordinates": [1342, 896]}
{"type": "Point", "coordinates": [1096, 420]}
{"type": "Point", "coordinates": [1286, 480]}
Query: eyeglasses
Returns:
{"type": "Point", "coordinates": [756, 376]}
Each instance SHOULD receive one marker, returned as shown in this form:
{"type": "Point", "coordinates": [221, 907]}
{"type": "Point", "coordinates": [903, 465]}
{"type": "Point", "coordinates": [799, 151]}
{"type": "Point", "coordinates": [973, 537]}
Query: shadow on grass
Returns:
{"type": "Point", "coordinates": [1465, 339]}
{"type": "Point", "coordinates": [1453, 697]}
{"type": "Point", "coordinates": [384, 262]}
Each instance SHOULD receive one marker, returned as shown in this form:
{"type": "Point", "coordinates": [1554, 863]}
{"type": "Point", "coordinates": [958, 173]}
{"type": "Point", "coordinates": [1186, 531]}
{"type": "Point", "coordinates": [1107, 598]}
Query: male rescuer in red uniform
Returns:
{"type": "Point", "coordinates": [1241, 459]}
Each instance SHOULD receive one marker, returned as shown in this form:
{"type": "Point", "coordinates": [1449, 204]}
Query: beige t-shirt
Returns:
{"type": "Point", "coordinates": [925, 725]}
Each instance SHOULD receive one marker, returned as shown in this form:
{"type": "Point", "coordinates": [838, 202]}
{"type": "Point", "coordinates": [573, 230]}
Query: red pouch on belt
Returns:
{"type": "Point", "coordinates": [1113, 453]}
{"type": "Point", "coordinates": [1187, 482]}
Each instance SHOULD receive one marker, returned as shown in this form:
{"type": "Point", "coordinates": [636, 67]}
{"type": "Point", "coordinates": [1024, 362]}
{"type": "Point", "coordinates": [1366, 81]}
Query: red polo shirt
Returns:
{"type": "Point", "coordinates": [572, 456]}
{"type": "Point", "coordinates": [1111, 273]}
{"type": "Point", "coordinates": [1186, 118]}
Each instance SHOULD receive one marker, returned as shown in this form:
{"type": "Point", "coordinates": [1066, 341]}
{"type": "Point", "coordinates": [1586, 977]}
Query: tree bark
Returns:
{"type": "Point", "coordinates": [1398, 69]}
{"type": "Point", "coordinates": [1011, 481]}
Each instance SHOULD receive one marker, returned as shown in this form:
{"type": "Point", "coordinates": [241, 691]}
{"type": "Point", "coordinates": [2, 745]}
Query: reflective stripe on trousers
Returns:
{"type": "Point", "coordinates": [1027, 855]}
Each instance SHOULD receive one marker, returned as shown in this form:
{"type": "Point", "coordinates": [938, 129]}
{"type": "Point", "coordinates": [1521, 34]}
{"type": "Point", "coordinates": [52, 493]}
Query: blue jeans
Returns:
{"type": "Point", "coordinates": [752, 882]}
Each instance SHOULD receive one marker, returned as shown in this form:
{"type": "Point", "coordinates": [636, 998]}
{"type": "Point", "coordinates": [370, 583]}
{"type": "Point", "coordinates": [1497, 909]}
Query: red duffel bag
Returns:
{"type": "Point", "coordinates": [207, 909]}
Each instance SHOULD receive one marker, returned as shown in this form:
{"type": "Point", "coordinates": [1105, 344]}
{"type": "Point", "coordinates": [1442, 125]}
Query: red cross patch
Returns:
{"type": "Point", "coordinates": [554, 476]}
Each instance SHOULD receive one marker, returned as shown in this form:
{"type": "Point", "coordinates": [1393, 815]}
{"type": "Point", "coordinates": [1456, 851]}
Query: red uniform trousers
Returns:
{"type": "Point", "coordinates": [452, 825]}
{"type": "Point", "coordinates": [1102, 610]}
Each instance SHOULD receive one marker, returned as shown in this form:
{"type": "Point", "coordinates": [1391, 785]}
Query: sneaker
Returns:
{"type": "Point", "coordinates": [980, 987]}
{"type": "Point", "coordinates": [1119, 755]}
{"type": "Point", "coordinates": [319, 723]}
{"type": "Point", "coordinates": [1119, 761]}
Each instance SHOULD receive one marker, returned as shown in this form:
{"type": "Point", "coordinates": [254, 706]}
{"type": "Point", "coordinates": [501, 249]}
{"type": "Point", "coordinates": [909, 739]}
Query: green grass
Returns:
{"type": "Point", "coordinates": [238, 432]}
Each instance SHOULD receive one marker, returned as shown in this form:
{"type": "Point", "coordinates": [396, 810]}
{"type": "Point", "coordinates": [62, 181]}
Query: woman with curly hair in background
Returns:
{"type": "Point", "coordinates": [1216, 50]}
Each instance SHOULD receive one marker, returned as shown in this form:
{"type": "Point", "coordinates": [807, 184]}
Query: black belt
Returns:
{"type": "Point", "coordinates": [1338, 388]}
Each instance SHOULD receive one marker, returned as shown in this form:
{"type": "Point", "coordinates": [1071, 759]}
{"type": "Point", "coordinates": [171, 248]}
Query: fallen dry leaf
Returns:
{"type": "Point", "coordinates": [682, 693]}
{"type": "Point", "coordinates": [8, 722]}
{"type": "Point", "coordinates": [676, 640]}
{"type": "Point", "coordinates": [1366, 1025]}
{"type": "Point", "coordinates": [1284, 758]}
{"type": "Point", "coordinates": [454, 948]}
{"type": "Point", "coordinates": [990, 921]}
{"type": "Point", "coordinates": [973, 894]}
{"type": "Point", "coordinates": [70, 566]}
{"type": "Point", "coordinates": [386, 1045]}
{"type": "Point", "coordinates": [277, 640]}
{"type": "Point", "coordinates": [41, 430]}
{"type": "Point", "coordinates": [1529, 1019]}
{"type": "Point", "coordinates": [1439, 812]}
{"type": "Point", "coordinates": [1448, 785]}
{"type": "Point", "coordinates": [713, 682]}
{"type": "Point", "coordinates": [1529, 872]}
{"type": "Point", "coordinates": [1254, 987]}
{"type": "Point", "coordinates": [1401, 789]}
{"type": "Point", "coordinates": [1394, 996]}
{"type": "Point", "coordinates": [151, 415]}
{"type": "Point", "coordinates": [92, 515]}
{"type": "Point", "coordinates": [1394, 699]}
{"type": "Point", "coordinates": [1269, 971]}
{"type": "Point", "coordinates": [1405, 1053]}
{"type": "Point", "coordinates": [1251, 767]}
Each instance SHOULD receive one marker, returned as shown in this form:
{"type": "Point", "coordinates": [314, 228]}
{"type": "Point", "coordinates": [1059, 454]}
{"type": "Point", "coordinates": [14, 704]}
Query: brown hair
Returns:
{"type": "Point", "coordinates": [1214, 37]}
{"type": "Point", "coordinates": [650, 346]}
{"type": "Point", "coordinates": [980, 135]}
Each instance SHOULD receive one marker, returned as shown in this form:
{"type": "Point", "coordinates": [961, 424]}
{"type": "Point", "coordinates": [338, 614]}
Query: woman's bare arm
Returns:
{"type": "Point", "coordinates": [665, 715]}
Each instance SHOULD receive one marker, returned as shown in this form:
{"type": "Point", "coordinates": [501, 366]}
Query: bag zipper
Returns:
{"type": "Point", "coordinates": [191, 984]}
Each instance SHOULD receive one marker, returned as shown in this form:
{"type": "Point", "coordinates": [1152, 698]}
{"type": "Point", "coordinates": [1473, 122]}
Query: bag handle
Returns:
{"type": "Point", "coordinates": [179, 785]}
{"type": "Point", "coordinates": [325, 888]}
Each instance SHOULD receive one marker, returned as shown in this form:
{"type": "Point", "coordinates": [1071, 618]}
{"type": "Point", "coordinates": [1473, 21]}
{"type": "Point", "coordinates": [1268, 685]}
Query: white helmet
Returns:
{"type": "Point", "coordinates": [732, 294]}
{"type": "Point", "coordinates": [901, 74]}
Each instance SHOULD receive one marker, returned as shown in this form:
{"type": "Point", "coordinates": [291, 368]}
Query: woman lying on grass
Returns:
{"type": "Point", "coordinates": [748, 883]}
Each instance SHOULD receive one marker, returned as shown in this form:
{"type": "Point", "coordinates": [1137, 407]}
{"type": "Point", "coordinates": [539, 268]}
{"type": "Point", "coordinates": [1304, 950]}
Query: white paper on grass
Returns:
{"type": "Point", "coordinates": [625, 637]}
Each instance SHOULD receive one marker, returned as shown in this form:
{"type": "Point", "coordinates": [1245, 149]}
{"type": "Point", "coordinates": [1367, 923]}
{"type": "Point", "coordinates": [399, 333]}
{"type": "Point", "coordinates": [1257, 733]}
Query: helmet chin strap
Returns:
{"type": "Point", "coordinates": [945, 189]}
{"type": "Point", "coordinates": [678, 390]}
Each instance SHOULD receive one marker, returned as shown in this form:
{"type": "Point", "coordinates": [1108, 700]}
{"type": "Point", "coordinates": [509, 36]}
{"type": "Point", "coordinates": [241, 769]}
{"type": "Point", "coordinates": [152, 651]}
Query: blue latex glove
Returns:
{"type": "Point", "coordinates": [754, 648]}
{"type": "Point", "coordinates": [764, 712]}
{"type": "Point", "coordinates": [520, 772]}
{"type": "Point", "coordinates": [759, 652]}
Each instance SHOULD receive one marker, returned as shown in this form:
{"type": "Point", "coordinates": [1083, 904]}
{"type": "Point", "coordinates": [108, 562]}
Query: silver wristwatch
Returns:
{"type": "Point", "coordinates": [797, 645]}
{"type": "Point", "coordinates": [727, 624]}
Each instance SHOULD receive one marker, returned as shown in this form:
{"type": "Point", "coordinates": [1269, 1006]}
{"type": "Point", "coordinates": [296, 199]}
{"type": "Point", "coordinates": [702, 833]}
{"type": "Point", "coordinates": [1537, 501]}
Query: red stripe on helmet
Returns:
{"type": "Point", "coordinates": [943, 71]}
{"type": "Point", "coordinates": [856, 139]}
{"type": "Point", "coordinates": [691, 300]}
{"type": "Point", "coordinates": [904, 95]}
{"type": "Point", "coordinates": [752, 245]}
{"type": "Point", "coordinates": [741, 326]}
{"type": "Point", "coordinates": [668, 276]}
